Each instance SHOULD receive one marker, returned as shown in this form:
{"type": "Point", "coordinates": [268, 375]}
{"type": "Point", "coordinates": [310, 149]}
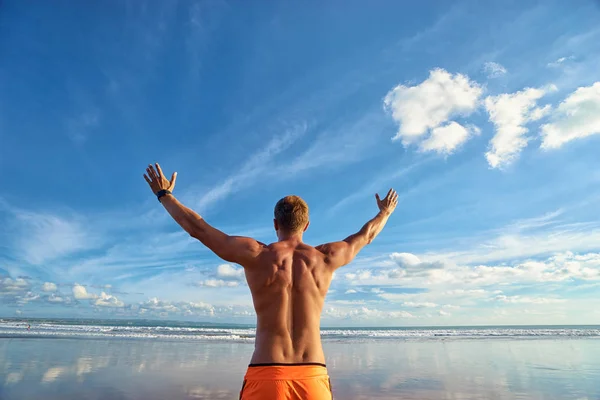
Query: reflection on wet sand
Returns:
{"type": "Point", "coordinates": [453, 369]}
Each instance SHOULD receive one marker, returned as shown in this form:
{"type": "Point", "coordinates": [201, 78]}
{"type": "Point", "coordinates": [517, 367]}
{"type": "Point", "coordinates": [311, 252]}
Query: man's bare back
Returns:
{"type": "Point", "coordinates": [288, 282]}
{"type": "Point", "coordinates": [288, 279]}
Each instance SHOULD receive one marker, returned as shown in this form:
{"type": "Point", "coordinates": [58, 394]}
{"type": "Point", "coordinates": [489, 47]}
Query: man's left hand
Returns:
{"type": "Point", "coordinates": [157, 181]}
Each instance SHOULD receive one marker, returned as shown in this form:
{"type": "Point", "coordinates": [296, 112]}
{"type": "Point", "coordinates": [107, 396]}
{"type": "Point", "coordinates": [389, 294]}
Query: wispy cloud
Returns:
{"type": "Point", "coordinates": [42, 237]}
{"type": "Point", "coordinates": [217, 283]}
{"type": "Point", "coordinates": [204, 19]}
{"type": "Point", "coordinates": [363, 313]}
{"type": "Point", "coordinates": [82, 125]}
{"type": "Point", "coordinates": [560, 62]}
{"type": "Point", "coordinates": [376, 184]}
{"type": "Point", "coordinates": [259, 163]}
{"type": "Point", "coordinates": [338, 146]}
{"type": "Point", "coordinates": [510, 245]}
{"type": "Point", "coordinates": [494, 70]}
{"type": "Point", "coordinates": [527, 300]}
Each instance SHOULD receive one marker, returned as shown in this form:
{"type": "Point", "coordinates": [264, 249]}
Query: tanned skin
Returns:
{"type": "Point", "coordinates": [288, 279]}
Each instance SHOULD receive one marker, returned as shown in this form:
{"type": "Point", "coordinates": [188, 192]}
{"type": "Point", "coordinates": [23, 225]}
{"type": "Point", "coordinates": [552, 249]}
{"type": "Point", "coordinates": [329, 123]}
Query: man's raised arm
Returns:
{"type": "Point", "coordinates": [236, 249]}
{"type": "Point", "coordinates": [341, 253]}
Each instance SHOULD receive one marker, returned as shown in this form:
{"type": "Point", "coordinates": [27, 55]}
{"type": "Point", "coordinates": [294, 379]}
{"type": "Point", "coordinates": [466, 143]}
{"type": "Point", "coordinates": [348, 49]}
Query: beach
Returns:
{"type": "Point", "coordinates": [497, 363]}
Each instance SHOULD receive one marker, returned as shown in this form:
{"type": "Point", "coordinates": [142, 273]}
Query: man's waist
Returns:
{"type": "Point", "coordinates": [285, 371]}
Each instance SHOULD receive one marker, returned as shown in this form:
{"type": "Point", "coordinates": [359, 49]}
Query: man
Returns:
{"type": "Point", "coordinates": [288, 280]}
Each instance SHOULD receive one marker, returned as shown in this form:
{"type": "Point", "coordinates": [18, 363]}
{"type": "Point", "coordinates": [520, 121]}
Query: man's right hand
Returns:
{"type": "Point", "coordinates": [157, 180]}
{"type": "Point", "coordinates": [389, 203]}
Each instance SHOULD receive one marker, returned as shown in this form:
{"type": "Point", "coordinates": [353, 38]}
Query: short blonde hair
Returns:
{"type": "Point", "coordinates": [291, 214]}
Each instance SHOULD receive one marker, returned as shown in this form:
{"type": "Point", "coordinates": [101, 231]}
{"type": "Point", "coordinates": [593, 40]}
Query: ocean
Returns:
{"type": "Point", "coordinates": [109, 359]}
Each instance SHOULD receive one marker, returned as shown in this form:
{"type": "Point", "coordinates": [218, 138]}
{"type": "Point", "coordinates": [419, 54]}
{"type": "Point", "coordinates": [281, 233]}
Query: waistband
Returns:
{"type": "Point", "coordinates": [276, 371]}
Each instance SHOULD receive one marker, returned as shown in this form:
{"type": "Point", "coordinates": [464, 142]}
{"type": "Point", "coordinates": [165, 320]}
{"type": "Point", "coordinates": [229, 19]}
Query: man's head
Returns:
{"type": "Point", "coordinates": [291, 215]}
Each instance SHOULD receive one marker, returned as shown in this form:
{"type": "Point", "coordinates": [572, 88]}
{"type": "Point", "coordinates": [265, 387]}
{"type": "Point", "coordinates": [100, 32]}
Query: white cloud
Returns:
{"type": "Point", "coordinates": [350, 291]}
{"type": "Point", "coordinates": [528, 300]}
{"type": "Point", "coordinates": [578, 116]}
{"type": "Point", "coordinates": [443, 313]}
{"type": "Point", "coordinates": [49, 287]}
{"type": "Point", "coordinates": [509, 113]}
{"type": "Point", "coordinates": [159, 305]}
{"type": "Point", "coordinates": [450, 281]}
{"type": "Point", "coordinates": [418, 109]}
{"type": "Point", "coordinates": [27, 298]}
{"type": "Point", "coordinates": [560, 62]}
{"type": "Point", "coordinates": [558, 268]}
{"type": "Point", "coordinates": [107, 300]}
{"type": "Point", "coordinates": [163, 307]}
{"type": "Point", "coordinates": [364, 313]}
{"type": "Point", "coordinates": [540, 112]}
{"type": "Point", "coordinates": [53, 374]}
{"type": "Point", "coordinates": [227, 271]}
{"type": "Point", "coordinates": [450, 307]}
{"type": "Point", "coordinates": [198, 306]}
{"type": "Point", "coordinates": [53, 298]}
{"type": "Point", "coordinates": [513, 243]}
{"type": "Point", "coordinates": [13, 377]}
{"type": "Point", "coordinates": [11, 286]}
{"type": "Point", "coordinates": [359, 275]}
{"type": "Point", "coordinates": [447, 138]}
{"type": "Point", "coordinates": [418, 305]}
{"type": "Point", "coordinates": [81, 293]}
{"type": "Point", "coordinates": [493, 69]}
{"type": "Point", "coordinates": [217, 283]}
{"type": "Point", "coordinates": [410, 265]}
{"type": "Point", "coordinates": [405, 260]}
{"type": "Point", "coordinates": [463, 292]}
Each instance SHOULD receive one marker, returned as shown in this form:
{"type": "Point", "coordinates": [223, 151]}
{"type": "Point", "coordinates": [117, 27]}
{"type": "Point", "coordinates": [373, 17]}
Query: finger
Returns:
{"type": "Point", "coordinates": [173, 179]}
{"type": "Point", "coordinates": [377, 197]}
{"type": "Point", "coordinates": [152, 172]}
{"type": "Point", "coordinates": [160, 173]}
{"type": "Point", "coordinates": [147, 179]}
{"type": "Point", "coordinates": [387, 196]}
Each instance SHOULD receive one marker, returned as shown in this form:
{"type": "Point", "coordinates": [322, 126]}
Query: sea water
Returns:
{"type": "Point", "coordinates": [64, 359]}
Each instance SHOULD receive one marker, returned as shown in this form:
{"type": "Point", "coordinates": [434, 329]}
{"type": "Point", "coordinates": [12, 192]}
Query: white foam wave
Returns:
{"type": "Point", "coordinates": [15, 329]}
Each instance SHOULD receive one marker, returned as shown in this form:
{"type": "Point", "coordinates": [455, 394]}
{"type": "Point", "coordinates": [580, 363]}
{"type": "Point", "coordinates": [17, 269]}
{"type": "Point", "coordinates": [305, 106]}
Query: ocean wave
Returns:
{"type": "Point", "coordinates": [227, 334]}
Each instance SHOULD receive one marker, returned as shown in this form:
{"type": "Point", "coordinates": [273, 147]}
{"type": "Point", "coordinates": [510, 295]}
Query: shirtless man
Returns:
{"type": "Point", "coordinates": [288, 280]}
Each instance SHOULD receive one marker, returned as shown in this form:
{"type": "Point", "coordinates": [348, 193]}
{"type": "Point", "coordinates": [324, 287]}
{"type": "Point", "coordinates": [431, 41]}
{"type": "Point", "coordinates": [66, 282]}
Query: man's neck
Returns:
{"type": "Point", "coordinates": [289, 237]}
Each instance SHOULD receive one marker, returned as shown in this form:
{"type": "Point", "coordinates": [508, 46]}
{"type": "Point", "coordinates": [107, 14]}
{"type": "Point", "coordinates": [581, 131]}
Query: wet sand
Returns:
{"type": "Point", "coordinates": [445, 369]}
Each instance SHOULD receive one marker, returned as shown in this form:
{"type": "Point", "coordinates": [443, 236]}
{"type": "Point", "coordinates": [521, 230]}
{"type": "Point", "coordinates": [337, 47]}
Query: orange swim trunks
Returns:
{"type": "Point", "coordinates": [286, 382]}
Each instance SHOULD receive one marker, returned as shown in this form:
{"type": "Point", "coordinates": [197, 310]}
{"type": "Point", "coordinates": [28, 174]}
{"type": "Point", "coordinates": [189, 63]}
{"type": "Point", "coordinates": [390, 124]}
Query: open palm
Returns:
{"type": "Point", "coordinates": [389, 203]}
{"type": "Point", "coordinates": [157, 181]}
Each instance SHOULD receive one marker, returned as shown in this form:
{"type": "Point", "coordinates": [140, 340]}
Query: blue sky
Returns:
{"type": "Point", "coordinates": [484, 117]}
